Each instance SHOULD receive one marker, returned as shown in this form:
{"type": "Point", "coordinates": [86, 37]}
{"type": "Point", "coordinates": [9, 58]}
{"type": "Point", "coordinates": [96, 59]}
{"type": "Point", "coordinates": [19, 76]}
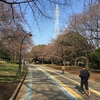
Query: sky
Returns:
{"type": "Point", "coordinates": [44, 32]}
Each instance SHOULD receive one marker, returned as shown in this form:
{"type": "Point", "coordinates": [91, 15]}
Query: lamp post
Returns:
{"type": "Point", "coordinates": [20, 52]}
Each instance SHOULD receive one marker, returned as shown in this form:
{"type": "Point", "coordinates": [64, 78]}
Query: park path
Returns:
{"type": "Point", "coordinates": [44, 83]}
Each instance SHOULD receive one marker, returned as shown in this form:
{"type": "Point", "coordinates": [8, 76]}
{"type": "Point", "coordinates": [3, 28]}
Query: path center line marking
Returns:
{"type": "Point", "coordinates": [92, 90]}
{"type": "Point", "coordinates": [64, 88]}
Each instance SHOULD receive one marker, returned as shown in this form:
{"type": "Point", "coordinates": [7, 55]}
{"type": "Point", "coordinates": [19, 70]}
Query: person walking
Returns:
{"type": "Point", "coordinates": [63, 68]}
{"type": "Point", "coordinates": [84, 75]}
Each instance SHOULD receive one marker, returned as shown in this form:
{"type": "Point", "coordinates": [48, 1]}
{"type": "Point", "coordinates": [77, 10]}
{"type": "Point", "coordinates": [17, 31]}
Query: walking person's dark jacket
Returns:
{"type": "Point", "coordinates": [84, 74]}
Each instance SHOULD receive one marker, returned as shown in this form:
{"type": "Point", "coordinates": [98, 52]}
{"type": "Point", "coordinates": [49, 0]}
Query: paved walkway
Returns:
{"type": "Point", "coordinates": [49, 84]}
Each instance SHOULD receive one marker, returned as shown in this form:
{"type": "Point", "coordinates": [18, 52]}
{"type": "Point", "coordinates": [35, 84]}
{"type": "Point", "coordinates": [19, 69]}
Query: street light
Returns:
{"type": "Point", "coordinates": [20, 53]}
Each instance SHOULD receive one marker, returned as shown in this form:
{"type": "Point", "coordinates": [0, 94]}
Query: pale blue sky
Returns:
{"type": "Point", "coordinates": [45, 32]}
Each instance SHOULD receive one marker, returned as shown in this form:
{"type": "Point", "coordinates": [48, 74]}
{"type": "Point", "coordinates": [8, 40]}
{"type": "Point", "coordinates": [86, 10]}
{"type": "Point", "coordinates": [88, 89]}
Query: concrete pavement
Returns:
{"type": "Point", "coordinates": [49, 84]}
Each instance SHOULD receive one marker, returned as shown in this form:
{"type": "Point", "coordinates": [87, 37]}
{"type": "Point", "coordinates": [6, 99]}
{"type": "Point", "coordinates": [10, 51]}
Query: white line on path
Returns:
{"type": "Point", "coordinates": [29, 90]}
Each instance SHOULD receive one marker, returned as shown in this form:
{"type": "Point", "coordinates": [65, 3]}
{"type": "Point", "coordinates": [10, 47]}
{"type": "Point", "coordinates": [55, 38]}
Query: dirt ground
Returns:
{"type": "Point", "coordinates": [7, 89]}
{"type": "Point", "coordinates": [94, 74]}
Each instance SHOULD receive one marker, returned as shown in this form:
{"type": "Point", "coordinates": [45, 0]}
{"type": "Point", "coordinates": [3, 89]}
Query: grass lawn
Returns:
{"type": "Point", "coordinates": [9, 72]}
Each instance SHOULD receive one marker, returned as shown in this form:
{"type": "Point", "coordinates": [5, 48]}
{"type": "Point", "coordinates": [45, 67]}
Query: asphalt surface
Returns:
{"type": "Point", "coordinates": [44, 83]}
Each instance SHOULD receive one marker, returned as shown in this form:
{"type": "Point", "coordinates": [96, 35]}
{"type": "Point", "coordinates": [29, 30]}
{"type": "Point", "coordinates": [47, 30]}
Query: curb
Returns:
{"type": "Point", "coordinates": [14, 95]}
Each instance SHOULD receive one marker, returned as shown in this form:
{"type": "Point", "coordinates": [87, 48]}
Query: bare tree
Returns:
{"type": "Point", "coordinates": [88, 24]}
{"type": "Point", "coordinates": [12, 31]}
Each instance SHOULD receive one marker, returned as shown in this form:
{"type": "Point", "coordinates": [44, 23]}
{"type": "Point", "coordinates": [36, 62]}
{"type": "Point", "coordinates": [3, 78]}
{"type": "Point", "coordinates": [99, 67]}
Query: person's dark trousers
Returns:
{"type": "Point", "coordinates": [84, 82]}
{"type": "Point", "coordinates": [62, 71]}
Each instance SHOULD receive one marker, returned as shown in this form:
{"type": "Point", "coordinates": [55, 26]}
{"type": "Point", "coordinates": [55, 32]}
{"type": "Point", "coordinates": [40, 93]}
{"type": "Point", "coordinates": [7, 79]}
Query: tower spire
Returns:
{"type": "Point", "coordinates": [56, 29]}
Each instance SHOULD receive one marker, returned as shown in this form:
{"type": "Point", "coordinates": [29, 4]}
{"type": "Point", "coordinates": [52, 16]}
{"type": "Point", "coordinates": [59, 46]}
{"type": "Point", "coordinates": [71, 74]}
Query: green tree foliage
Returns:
{"type": "Point", "coordinates": [4, 52]}
{"type": "Point", "coordinates": [95, 58]}
{"type": "Point", "coordinates": [72, 45]}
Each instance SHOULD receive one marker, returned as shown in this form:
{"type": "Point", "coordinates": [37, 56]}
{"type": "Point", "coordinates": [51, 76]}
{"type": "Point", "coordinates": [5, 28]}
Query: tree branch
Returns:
{"type": "Point", "coordinates": [15, 2]}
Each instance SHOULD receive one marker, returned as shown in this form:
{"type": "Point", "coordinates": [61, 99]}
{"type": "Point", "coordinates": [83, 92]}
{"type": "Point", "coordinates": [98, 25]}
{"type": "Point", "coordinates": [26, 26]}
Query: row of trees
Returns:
{"type": "Point", "coordinates": [11, 34]}
{"type": "Point", "coordinates": [80, 41]}
{"type": "Point", "coordinates": [69, 48]}
{"type": "Point", "coordinates": [13, 15]}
